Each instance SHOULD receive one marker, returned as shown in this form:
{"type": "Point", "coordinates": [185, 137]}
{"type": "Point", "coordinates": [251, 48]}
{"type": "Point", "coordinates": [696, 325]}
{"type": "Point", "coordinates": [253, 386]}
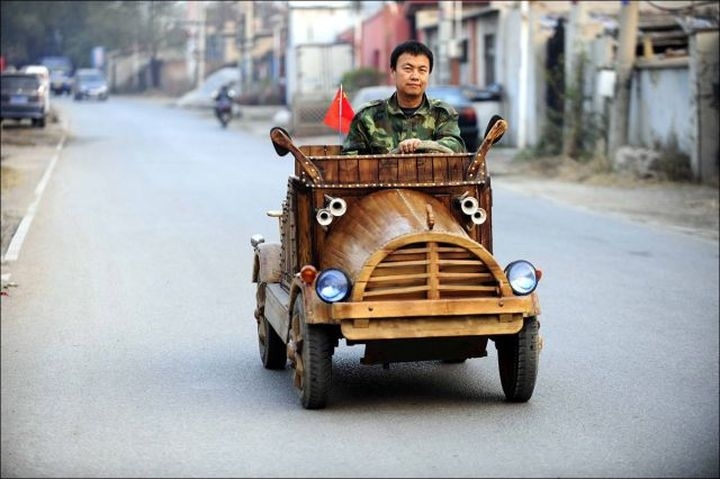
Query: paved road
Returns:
{"type": "Point", "coordinates": [128, 346]}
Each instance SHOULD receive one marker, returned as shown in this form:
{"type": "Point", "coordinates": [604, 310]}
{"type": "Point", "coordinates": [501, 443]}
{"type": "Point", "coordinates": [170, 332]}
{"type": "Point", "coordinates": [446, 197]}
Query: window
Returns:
{"type": "Point", "coordinates": [489, 57]}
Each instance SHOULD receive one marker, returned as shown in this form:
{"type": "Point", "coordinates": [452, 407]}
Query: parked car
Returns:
{"type": "Point", "coordinates": [90, 83]}
{"type": "Point", "coordinates": [44, 74]}
{"type": "Point", "coordinates": [61, 69]}
{"type": "Point", "coordinates": [23, 97]}
{"type": "Point", "coordinates": [455, 96]}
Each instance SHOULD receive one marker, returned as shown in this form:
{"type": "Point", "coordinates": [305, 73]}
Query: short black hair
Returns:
{"type": "Point", "coordinates": [412, 47]}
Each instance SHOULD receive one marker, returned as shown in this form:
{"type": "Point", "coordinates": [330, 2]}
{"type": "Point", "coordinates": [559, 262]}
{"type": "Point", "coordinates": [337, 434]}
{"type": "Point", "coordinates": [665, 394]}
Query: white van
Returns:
{"type": "Point", "coordinates": [44, 73]}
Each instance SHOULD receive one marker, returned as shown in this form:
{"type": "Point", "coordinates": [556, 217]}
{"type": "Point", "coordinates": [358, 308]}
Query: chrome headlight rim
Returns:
{"type": "Point", "coordinates": [333, 285]}
{"type": "Point", "coordinates": [522, 276]}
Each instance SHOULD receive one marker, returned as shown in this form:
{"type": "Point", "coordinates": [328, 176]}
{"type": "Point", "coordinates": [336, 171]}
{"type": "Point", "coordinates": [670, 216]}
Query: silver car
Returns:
{"type": "Point", "coordinates": [90, 83]}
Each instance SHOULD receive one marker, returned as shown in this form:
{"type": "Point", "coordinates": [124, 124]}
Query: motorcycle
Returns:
{"type": "Point", "coordinates": [223, 110]}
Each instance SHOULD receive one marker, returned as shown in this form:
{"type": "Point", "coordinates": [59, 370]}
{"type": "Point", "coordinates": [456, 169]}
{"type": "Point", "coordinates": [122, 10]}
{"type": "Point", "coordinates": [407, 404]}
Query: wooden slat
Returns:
{"type": "Point", "coordinates": [397, 277]}
{"type": "Point", "coordinates": [348, 171]}
{"type": "Point", "coordinates": [396, 264]}
{"type": "Point", "coordinates": [456, 168]}
{"type": "Point", "coordinates": [388, 172]}
{"type": "Point", "coordinates": [407, 170]}
{"type": "Point", "coordinates": [424, 168]}
{"type": "Point", "coordinates": [440, 308]}
{"type": "Point", "coordinates": [389, 328]}
{"type": "Point", "coordinates": [467, 287]}
{"type": "Point", "coordinates": [440, 170]}
{"type": "Point", "coordinates": [396, 291]}
{"type": "Point", "coordinates": [329, 169]}
{"type": "Point", "coordinates": [478, 276]}
{"type": "Point", "coordinates": [368, 170]}
{"type": "Point", "coordinates": [411, 250]}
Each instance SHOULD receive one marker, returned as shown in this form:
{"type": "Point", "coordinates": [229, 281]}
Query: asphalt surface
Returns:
{"type": "Point", "coordinates": [129, 347]}
{"type": "Point", "coordinates": [28, 155]}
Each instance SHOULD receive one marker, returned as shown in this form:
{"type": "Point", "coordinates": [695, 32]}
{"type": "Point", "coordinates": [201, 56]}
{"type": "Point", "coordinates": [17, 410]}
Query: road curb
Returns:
{"type": "Point", "coordinates": [15, 245]}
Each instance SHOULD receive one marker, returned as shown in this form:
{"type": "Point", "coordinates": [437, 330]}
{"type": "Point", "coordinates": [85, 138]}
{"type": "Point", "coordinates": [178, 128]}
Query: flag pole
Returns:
{"type": "Point", "coordinates": [340, 99]}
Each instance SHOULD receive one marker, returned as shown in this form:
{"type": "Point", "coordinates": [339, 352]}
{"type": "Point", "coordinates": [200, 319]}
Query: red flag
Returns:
{"type": "Point", "coordinates": [340, 113]}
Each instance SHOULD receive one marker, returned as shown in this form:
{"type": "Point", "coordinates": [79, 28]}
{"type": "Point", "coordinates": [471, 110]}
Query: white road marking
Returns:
{"type": "Point", "coordinates": [13, 251]}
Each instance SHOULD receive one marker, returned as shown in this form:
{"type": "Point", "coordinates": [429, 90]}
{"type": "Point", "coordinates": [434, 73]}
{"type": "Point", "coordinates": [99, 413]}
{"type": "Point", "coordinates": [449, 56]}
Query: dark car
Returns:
{"type": "Point", "coordinates": [90, 83]}
{"type": "Point", "coordinates": [456, 96]}
{"type": "Point", "coordinates": [23, 96]}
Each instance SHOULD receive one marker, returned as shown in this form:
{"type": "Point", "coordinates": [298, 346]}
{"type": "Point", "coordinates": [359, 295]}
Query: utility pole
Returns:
{"type": "Point", "coordinates": [445, 21]}
{"type": "Point", "coordinates": [573, 103]}
{"type": "Point", "coordinates": [201, 46]}
{"type": "Point", "coordinates": [623, 72]}
{"type": "Point", "coordinates": [522, 126]}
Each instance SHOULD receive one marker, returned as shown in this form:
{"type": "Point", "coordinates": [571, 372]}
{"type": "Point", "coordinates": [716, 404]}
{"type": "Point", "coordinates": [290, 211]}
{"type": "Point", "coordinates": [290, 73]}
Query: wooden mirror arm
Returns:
{"type": "Point", "coordinates": [280, 138]}
{"type": "Point", "coordinates": [478, 163]}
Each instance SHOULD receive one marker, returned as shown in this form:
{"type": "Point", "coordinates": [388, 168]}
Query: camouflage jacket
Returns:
{"type": "Point", "coordinates": [380, 125]}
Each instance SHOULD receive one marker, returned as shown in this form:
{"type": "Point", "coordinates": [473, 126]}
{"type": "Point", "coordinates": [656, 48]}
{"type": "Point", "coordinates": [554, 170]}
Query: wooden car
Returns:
{"type": "Point", "coordinates": [393, 252]}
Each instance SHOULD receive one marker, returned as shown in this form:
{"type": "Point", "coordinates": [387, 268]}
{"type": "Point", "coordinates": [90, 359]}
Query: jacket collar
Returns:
{"type": "Point", "coordinates": [394, 108]}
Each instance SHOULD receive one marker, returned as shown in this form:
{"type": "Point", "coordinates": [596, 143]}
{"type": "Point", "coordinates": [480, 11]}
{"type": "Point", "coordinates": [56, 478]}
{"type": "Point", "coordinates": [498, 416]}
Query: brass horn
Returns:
{"type": "Point", "coordinates": [468, 204]}
{"type": "Point", "coordinates": [479, 216]}
{"type": "Point", "coordinates": [324, 217]}
{"type": "Point", "coordinates": [337, 206]}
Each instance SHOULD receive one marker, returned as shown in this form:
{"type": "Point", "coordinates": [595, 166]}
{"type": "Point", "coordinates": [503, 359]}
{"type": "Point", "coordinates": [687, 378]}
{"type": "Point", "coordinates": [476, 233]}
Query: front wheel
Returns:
{"type": "Point", "coordinates": [518, 358]}
{"type": "Point", "coordinates": [313, 347]}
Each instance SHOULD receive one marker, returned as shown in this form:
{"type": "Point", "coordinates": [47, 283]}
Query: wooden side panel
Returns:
{"type": "Point", "coordinates": [368, 170]}
{"type": "Point", "coordinates": [348, 171]}
{"type": "Point", "coordinates": [288, 232]}
{"type": "Point", "coordinates": [388, 172]}
{"type": "Point", "coordinates": [372, 169]}
{"type": "Point", "coordinates": [321, 150]}
{"type": "Point", "coordinates": [408, 170]}
{"type": "Point", "coordinates": [304, 213]}
{"type": "Point", "coordinates": [456, 168]}
{"type": "Point", "coordinates": [424, 168]}
{"type": "Point", "coordinates": [329, 169]}
{"type": "Point", "coordinates": [485, 197]}
{"type": "Point", "coordinates": [440, 170]}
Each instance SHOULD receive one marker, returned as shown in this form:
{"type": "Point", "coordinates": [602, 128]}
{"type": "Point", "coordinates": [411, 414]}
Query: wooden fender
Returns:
{"type": "Point", "coordinates": [266, 268]}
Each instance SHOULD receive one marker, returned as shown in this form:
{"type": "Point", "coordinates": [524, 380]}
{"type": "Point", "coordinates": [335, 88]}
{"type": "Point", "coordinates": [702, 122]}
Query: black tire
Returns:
{"type": "Point", "coordinates": [273, 352]}
{"type": "Point", "coordinates": [518, 358]}
{"type": "Point", "coordinates": [224, 119]}
{"type": "Point", "coordinates": [313, 364]}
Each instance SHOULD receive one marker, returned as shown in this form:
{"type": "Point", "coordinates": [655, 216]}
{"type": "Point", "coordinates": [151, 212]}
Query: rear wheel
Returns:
{"type": "Point", "coordinates": [518, 357]}
{"type": "Point", "coordinates": [273, 353]}
{"type": "Point", "coordinates": [313, 347]}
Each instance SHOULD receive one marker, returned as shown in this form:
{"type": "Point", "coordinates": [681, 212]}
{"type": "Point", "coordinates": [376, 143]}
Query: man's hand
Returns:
{"type": "Point", "coordinates": [414, 145]}
{"type": "Point", "coordinates": [409, 145]}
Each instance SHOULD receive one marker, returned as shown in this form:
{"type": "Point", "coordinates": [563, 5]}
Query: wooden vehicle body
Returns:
{"type": "Point", "coordinates": [413, 236]}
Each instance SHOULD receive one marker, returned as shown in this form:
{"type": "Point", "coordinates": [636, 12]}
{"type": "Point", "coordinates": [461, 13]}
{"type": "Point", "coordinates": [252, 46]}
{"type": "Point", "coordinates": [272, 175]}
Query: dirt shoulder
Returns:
{"type": "Point", "coordinates": [686, 207]}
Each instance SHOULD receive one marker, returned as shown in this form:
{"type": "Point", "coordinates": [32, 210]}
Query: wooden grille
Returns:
{"type": "Point", "coordinates": [430, 271]}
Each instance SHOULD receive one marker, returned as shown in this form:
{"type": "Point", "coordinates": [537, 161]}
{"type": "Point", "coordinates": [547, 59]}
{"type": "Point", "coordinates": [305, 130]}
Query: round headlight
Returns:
{"type": "Point", "coordinates": [522, 277]}
{"type": "Point", "coordinates": [332, 285]}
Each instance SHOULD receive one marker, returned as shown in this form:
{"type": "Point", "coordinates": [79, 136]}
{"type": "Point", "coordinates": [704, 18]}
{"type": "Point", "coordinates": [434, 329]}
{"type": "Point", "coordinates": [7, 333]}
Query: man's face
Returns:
{"type": "Point", "coordinates": [411, 75]}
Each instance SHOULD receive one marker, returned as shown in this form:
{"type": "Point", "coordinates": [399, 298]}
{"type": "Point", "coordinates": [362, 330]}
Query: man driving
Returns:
{"type": "Point", "coordinates": [408, 121]}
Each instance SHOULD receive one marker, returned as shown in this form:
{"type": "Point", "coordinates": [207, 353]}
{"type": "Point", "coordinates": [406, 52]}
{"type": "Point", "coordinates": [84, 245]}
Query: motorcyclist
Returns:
{"type": "Point", "coordinates": [223, 104]}
{"type": "Point", "coordinates": [224, 93]}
